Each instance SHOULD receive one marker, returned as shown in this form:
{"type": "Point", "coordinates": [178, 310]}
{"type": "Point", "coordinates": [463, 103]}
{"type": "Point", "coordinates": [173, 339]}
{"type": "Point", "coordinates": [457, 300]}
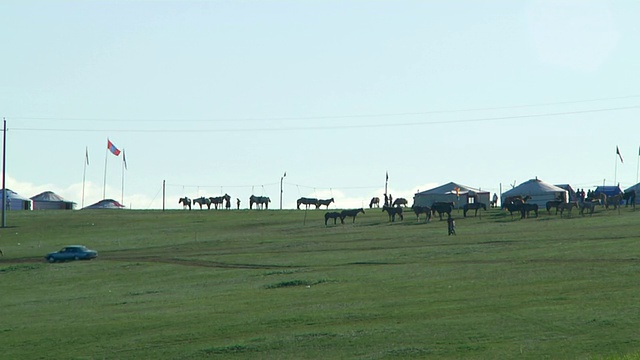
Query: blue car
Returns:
{"type": "Point", "coordinates": [72, 252]}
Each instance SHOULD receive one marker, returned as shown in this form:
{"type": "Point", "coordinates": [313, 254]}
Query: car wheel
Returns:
{"type": "Point", "coordinates": [76, 258]}
{"type": "Point", "coordinates": [51, 259]}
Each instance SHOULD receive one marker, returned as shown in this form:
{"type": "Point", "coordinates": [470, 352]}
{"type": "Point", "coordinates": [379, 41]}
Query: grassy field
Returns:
{"type": "Point", "coordinates": [279, 284]}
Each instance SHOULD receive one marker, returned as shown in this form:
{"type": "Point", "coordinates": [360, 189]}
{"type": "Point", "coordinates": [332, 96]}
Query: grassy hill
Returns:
{"type": "Point", "coordinates": [280, 284]}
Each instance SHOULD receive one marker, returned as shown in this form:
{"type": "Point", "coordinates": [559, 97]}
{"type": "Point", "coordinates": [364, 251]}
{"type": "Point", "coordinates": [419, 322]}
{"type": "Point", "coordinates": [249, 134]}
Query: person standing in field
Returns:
{"type": "Point", "coordinates": [238, 203]}
{"type": "Point", "coordinates": [451, 225]}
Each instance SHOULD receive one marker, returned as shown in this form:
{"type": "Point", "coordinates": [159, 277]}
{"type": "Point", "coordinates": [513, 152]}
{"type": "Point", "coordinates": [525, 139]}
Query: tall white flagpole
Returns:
{"type": "Point", "coordinates": [124, 163]}
{"type": "Point", "coordinates": [84, 172]}
{"type": "Point", "coordinates": [104, 182]}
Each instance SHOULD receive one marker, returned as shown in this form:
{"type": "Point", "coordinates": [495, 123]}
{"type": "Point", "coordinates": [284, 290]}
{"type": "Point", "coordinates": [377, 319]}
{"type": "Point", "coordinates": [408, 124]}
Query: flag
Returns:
{"type": "Point", "coordinates": [618, 152]}
{"type": "Point", "coordinates": [86, 154]}
{"type": "Point", "coordinates": [124, 160]}
{"type": "Point", "coordinates": [387, 179]}
{"type": "Point", "coordinates": [114, 150]}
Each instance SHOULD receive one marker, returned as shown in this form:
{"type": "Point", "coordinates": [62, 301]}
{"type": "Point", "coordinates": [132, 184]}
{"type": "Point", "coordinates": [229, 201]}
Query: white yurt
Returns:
{"type": "Point", "coordinates": [15, 201]}
{"type": "Point", "coordinates": [539, 191]}
{"type": "Point", "coordinates": [451, 192]}
{"type": "Point", "coordinates": [49, 200]}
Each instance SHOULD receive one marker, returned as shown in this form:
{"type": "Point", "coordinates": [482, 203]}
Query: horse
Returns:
{"type": "Point", "coordinates": [602, 197]}
{"type": "Point", "coordinates": [553, 204]}
{"type": "Point", "coordinates": [393, 211]}
{"type": "Point", "coordinates": [350, 213]}
{"type": "Point", "coordinates": [333, 215]}
{"type": "Point", "coordinates": [614, 201]}
{"type": "Point", "coordinates": [512, 207]}
{"type": "Point", "coordinates": [589, 206]}
{"type": "Point", "coordinates": [186, 202]}
{"type": "Point", "coordinates": [515, 199]}
{"type": "Point", "coordinates": [473, 206]}
{"type": "Point", "coordinates": [400, 201]}
{"type": "Point", "coordinates": [567, 206]}
{"type": "Point", "coordinates": [629, 196]}
{"type": "Point", "coordinates": [307, 202]}
{"type": "Point", "coordinates": [324, 202]}
{"type": "Point", "coordinates": [374, 201]}
{"type": "Point", "coordinates": [203, 201]}
{"type": "Point", "coordinates": [218, 200]}
{"type": "Point", "coordinates": [259, 201]}
{"type": "Point", "coordinates": [442, 208]}
{"type": "Point", "coordinates": [525, 209]}
{"type": "Point", "coordinates": [422, 210]}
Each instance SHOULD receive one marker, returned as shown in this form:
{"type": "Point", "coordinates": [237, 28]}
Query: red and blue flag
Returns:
{"type": "Point", "coordinates": [114, 150]}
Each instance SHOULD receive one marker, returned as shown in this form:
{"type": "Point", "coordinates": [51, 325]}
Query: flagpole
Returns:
{"type": "Point", "coordinates": [615, 174]}
{"type": "Point", "coordinates": [104, 182]}
{"type": "Point", "coordinates": [84, 173]}
{"type": "Point", "coordinates": [122, 194]}
{"type": "Point", "coordinates": [637, 165]}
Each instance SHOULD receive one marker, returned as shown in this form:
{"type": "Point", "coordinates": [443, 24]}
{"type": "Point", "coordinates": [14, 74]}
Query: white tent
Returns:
{"type": "Point", "coordinates": [49, 200]}
{"type": "Point", "coordinates": [539, 191]}
{"type": "Point", "coordinates": [15, 201]}
{"type": "Point", "coordinates": [451, 192]}
{"type": "Point", "coordinates": [105, 204]}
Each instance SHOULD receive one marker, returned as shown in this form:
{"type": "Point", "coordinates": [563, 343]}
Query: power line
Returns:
{"type": "Point", "coordinates": [326, 117]}
{"type": "Point", "coordinates": [339, 127]}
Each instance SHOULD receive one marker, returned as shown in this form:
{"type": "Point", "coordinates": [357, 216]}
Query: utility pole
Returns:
{"type": "Point", "coordinates": [4, 172]}
{"type": "Point", "coordinates": [281, 180]}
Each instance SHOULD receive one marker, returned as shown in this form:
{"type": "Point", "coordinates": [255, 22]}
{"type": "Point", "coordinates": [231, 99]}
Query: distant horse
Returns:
{"type": "Point", "coordinates": [218, 200]}
{"type": "Point", "coordinates": [186, 202]}
{"type": "Point", "coordinates": [350, 213]}
{"type": "Point", "coordinates": [307, 201]}
{"type": "Point", "coordinates": [422, 210]}
{"type": "Point", "coordinates": [567, 206]}
{"type": "Point", "coordinates": [325, 202]}
{"type": "Point", "coordinates": [515, 199]}
{"type": "Point", "coordinates": [600, 196]}
{"type": "Point", "coordinates": [629, 197]}
{"type": "Point", "coordinates": [393, 211]}
{"type": "Point", "coordinates": [512, 207]}
{"type": "Point", "coordinates": [333, 215]}
{"type": "Point", "coordinates": [375, 201]}
{"type": "Point", "coordinates": [400, 201]}
{"type": "Point", "coordinates": [614, 201]}
{"type": "Point", "coordinates": [553, 204]}
{"type": "Point", "coordinates": [203, 201]}
{"type": "Point", "coordinates": [442, 208]}
{"type": "Point", "coordinates": [590, 206]}
{"type": "Point", "coordinates": [473, 206]}
{"type": "Point", "coordinates": [526, 209]}
{"type": "Point", "coordinates": [259, 201]}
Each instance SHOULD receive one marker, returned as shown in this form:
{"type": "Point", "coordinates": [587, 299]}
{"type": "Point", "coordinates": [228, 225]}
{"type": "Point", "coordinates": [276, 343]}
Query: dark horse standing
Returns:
{"type": "Point", "coordinates": [326, 202]}
{"type": "Point", "coordinates": [186, 202]}
{"type": "Point", "coordinates": [473, 206]}
{"type": "Point", "coordinates": [400, 201]}
{"type": "Point", "coordinates": [259, 201]}
{"type": "Point", "coordinates": [442, 208]}
{"type": "Point", "coordinates": [393, 211]}
{"type": "Point", "coordinates": [629, 197]}
{"type": "Point", "coordinates": [333, 215]}
{"type": "Point", "coordinates": [350, 213]}
{"type": "Point", "coordinates": [306, 202]}
{"type": "Point", "coordinates": [422, 210]}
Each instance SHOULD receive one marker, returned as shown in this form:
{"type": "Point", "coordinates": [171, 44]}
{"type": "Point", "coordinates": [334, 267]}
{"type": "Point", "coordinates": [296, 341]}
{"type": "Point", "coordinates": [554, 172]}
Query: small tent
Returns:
{"type": "Point", "coordinates": [451, 192]}
{"type": "Point", "coordinates": [635, 188]}
{"type": "Point", "coordinates": [608, 190]}
{"type": "Point", "coordinates": [15, 201]}
{"type": "Point", "coordinates": [570, 191]}
{"type": "Point", "coordinates": [49, 200]}
{"type": "Point", "coordinates": [539, 191]}
{"type": "Point", "coordinates": [105, 204]}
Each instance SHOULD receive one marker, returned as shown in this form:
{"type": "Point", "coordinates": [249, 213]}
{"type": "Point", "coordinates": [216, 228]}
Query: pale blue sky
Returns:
{"type": "Point", "coordinates": [225, 96]}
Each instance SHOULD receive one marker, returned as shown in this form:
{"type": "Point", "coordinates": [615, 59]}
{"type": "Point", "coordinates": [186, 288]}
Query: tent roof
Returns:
{"type": "Point", "coordinates": [105, 204]}
{"type": "Point", "coordinates": [48, 196]}
{"type": "Point", "coordinates": [13, 195]}
{"type": "Point", "coordinates": [533, 187]}
{"type": "Point", "coordinates": [449, 188]}
{"type": "Point", "coordinates": [610, 190]}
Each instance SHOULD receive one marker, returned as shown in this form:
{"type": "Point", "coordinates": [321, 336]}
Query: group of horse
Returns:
{"type": "Point", "coordinates": [313, 201]}
{"type": "Point", "coordinates": [587, 205]}
{"type": "Point", "coordinates": [440, 208]}
{"type": "Point", "coordinates": [375, 202]}
{"type": "Point", "coordinates": [259, 201]}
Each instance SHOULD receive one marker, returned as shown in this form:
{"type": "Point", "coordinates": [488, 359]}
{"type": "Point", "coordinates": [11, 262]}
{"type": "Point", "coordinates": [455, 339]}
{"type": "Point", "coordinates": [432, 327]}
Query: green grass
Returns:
{"type": "Point", "coordinates": [279, 284]}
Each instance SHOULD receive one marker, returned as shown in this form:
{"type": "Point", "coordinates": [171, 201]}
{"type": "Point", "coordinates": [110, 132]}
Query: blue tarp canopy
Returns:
{"type": "Point", "coordinates": [609, 190]}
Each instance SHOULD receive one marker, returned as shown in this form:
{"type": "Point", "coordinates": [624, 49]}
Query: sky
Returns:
{"type": "Point", "coordinates": [214, 97]}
